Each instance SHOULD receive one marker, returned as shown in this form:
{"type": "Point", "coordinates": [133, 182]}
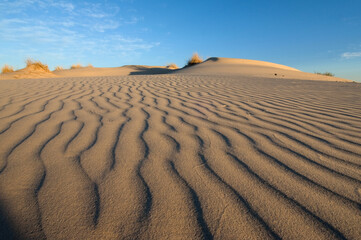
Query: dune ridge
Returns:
{"type": "Point", "coordinates": [249, 62]}
{"type": "Point", "coordinates": [179, 157]}
{"type": "Point", "coordinates": [211, 67]}
{"type": "Point", "coordinates": [251, 68]}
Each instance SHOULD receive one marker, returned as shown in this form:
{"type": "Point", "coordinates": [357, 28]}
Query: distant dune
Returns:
{"type": "Point", "coordinates": [116, 71]}
{"type": "Point", "coordinates": [86, 72]}
{"type": "Point", "coordinates": [224, 149]}
{"type": "Point", "coordinates": [253, 68]}
{"type": "Point", "coordinates": [212, 66]}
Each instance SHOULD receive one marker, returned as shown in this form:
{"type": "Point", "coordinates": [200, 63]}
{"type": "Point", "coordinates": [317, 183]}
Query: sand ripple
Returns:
{"type": "Point", "coordinates": [179, 157]}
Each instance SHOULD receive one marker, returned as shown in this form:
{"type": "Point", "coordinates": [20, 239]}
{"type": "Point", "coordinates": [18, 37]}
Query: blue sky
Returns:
{"type": "Point", "coordinates": [316, 35]}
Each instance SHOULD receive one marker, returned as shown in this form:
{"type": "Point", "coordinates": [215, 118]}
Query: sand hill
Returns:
{"type": "Point", "coordinates": [243, 67]}
{"type": "Point", "coordinates": [117, 71]}
{"type": "Point", "coordinates": [32, 70]}
{"type": "Point", "coordinates": [212, 66]}
{"type": "Point", "coordinates": [207, 152]}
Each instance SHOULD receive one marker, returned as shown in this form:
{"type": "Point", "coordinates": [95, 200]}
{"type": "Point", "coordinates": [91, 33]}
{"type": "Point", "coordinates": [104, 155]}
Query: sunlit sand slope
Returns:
{"type": "Point", "coordinates": [244, 67]}
{"type": "Point", "coordinates": [179, 157]}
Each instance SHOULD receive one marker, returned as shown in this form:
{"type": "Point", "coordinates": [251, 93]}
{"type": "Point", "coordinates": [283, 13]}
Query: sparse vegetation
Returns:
{"type": "Point", "coordinates": [57, 68]}
{"type": "Point", "coordinates": [30, 63]}
{"type": "Point", "coordinates": [75, 66]}
{"type": "Point", "coordinates": [325, 74]}
{"type": "Point", "coordinates": [78, 65]}
{"type": "Point", "coordinates": [195, 59]}
{"type": "Point", "coordinates": [7, 69]}
{"type": "Point", "coordinates": [172, 66]}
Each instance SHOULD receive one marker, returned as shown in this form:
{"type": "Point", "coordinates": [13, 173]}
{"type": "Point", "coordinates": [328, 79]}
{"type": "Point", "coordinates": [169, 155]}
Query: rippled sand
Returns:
{"type": "Point", "coordinates": [179, 157]}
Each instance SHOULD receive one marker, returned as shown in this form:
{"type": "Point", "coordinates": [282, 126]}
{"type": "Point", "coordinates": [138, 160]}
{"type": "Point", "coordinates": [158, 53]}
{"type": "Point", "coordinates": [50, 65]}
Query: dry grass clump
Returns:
{"type": "Point", "coordinates": [195, 59]}
{"type": "Point", "coordinates": [326, 74]}
{"type": "Point", "coordinates": [7, 69]}
{"type": "Point", "coordinates": [58, 68]}
{"type": "Point", "coordinates": [75, 66]}
{"type": "Point", "coordinates": [36, 65]}
{"type": "Point", "coordinates": [78, 65]}
{"type": "Point", "coordinates": [172, 66]}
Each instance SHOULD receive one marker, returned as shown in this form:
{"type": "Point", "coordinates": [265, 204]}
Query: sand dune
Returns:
{"type": "Point", "coordinates": [245, 68]}
{"type": "Point", "coordinates": [87, 72]}
{"type": "Point", "coordinates": [180, 156]}
{"type": "Point", "coordinates": [211, 67]}
{"type": "Point", "coordinates": [32, 71]}
{"type": "Point", "coordinates": [117, 71]}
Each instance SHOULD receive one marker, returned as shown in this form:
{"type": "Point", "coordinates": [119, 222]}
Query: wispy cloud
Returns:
{"type": "Point", "coordinates": [18, 6]}
{"type": "Point", "coordinates": [349, 55]}
{"type": "Point", "coordinates": [63, 27]}
{"type": "Point", "coordinates": [63, 5]}
{"type": "Point", "coordinates": [133, 20]}
{"type": "Point", "coordinates": [105, 25]}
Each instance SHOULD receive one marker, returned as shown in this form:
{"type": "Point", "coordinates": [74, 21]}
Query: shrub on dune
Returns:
{"type": "Point", "coordinates": [78, 65]}
{"type": "Point", "coordinates": [172, 66]}
{"type": "Point", "coordinates": [36, 65]}
{"type": "Point", "coordinates": [326, 74]}
{"type": "Point", "coordinates": [75, 66]}
{"type": "Point", "coordinates": [58, 68]}
{"type": "Point", "coordinates": [195, 59]}
{"type": "Point", "coordinates": [7, 69]}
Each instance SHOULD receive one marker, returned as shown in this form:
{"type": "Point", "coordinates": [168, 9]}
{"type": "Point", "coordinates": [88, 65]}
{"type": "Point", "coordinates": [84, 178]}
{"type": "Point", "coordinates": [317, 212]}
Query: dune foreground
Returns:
{"type": "Point", "coordinates": [180, 156]}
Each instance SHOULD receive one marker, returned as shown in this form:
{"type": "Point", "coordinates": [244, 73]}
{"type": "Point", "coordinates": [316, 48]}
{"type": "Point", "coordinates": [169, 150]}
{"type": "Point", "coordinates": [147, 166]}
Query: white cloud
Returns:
{"type": "Point", "coordinates": [133, 20]}
{"type": "Point", "coordinates": [349, 55]}
{"type": "Point", "coordinates": [68, 23]}
{"type": "Point", "coordinates": [135, 47]}
{"type": "Point", "coordinates": [60, 27]}
{"type": "Point", "coordinates": [17, 6]}
{"type": "Point", "coordinates": [104, 26]}
{"type": "Point", "coordinates": [66, 6]}
{"type": "Point", "coordinates": [119, 38]}
{"type": "Point", "coordinates": [4, 22]}
{"type": "Point", "coordinates": [96, 16]}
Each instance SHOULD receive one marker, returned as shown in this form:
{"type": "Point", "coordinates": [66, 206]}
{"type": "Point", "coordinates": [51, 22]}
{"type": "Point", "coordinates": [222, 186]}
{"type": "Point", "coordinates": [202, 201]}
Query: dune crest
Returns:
{"type": "Point", "coordinates": [116, 71]}
{"type": "Point", "coordinates": [210, 67]}
{"type": "Point", "coordinates": [35, 70]}
{"type": "Point", "coordinates": [248, 62]}
{"type": "Point", "coordinates": [86, 71]}
{"type": "Point", "coordinates": [252, 68]}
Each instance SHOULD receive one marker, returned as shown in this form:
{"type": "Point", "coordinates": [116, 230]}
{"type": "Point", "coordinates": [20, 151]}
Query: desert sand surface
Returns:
{"type": "Point", "coordinates": [117, 71]}
{"type": "Point", "coordinates": [86, 72]}
{"type": "Point", "coordinates": [206, 152]}
{"type": "Point", "coordinates": [213, 66]}
{"type": "Point", "coordinates": [245, 68]}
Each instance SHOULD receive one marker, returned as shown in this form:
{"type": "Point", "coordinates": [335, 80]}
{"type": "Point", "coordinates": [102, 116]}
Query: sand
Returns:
{"type": "Point", "coordinates": [86, 72]}
{"type": "Point", "coordinates": [216, 66]}
{"type": "Point", "coordinates": [200, 153]}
